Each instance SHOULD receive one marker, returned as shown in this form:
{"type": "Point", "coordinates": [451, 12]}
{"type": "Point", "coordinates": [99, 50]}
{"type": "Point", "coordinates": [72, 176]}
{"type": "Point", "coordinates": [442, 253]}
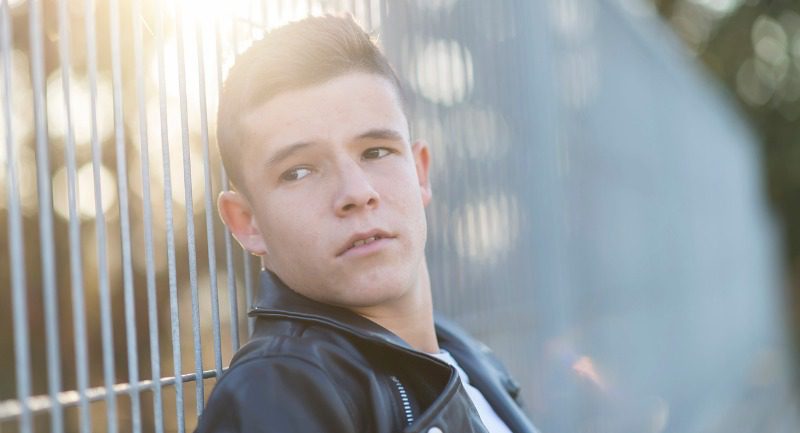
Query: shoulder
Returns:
{"type": "Point", "coordinates": [275, 379]}
{"type": "Point", "coordinates": [274, 393]}
{"type": "Point", "coordinates": [292, 341]}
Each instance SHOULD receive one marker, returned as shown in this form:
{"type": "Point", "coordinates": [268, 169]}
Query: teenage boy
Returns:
{"type": "Point", "coordinates": [330, 192]}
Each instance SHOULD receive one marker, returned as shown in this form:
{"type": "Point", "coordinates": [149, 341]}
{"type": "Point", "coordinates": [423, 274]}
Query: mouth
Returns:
{"type": "Point", "coordinates": [362, 239]}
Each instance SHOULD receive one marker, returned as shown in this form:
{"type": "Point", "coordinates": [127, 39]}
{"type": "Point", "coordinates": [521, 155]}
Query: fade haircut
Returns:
{"type": "Point", "coordinates": [297, 55]}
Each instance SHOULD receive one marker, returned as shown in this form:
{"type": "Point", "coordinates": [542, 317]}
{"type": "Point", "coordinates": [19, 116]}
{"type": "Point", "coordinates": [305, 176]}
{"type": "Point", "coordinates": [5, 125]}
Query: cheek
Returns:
{"type": "Point", "coordinates": [401, 194]}
{"type": "Point", "coordinates": [288, 227]}
{"type": "Point", "coordinates": [295, 229]}
{"type": "Point", "coordinates": [402, 188]}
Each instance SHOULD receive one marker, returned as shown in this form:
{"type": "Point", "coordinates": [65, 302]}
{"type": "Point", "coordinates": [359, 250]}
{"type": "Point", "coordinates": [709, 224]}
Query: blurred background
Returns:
{"type": "Point", "coordinates": [616, 211]}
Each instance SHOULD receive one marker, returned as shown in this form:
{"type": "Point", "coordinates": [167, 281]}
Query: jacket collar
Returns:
{"type": "Point", "coordinates": [492, 380]}
{"type": "Point", "coordinates": [276, 299]}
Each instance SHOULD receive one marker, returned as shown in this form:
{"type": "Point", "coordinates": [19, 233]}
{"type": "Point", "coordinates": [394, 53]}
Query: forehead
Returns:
{"type": "Point", "coordinates": [333, 111]}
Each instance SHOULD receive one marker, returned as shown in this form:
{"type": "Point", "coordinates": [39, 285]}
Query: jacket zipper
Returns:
{"type": "Point", "coordinates": [404, 398]}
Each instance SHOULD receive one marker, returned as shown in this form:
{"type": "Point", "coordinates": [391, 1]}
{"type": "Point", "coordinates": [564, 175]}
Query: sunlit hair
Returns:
{"type": "Point", "coordinates": [297, 55]}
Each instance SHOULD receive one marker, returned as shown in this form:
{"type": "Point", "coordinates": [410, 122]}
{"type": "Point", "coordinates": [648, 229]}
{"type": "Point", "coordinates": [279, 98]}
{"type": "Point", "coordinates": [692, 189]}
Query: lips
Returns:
{"type": "Point", "coordinates": [363, 238]}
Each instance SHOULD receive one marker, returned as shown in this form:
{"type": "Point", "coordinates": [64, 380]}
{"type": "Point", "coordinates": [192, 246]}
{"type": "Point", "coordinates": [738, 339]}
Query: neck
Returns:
{"type": "Point", "coordinates": [411, 317]}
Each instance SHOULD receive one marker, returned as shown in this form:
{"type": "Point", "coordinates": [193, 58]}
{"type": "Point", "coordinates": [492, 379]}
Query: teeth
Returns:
{"type": "Point", "coordinates": [360, 242]}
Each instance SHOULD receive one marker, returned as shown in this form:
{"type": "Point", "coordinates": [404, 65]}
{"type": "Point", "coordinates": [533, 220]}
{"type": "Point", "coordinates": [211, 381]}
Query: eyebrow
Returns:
{"type": "Point", "coordinates": [381, 134]}
{"type": "Point", "coordinates": [375, 134]}
{"type": "Point", "coordinates": [289, 151]}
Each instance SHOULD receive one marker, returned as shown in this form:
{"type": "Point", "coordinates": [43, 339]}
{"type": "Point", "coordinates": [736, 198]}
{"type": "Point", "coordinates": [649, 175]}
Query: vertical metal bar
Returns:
{"type": "Point", "coordinates": [495, 90]}
{"type": "Point", "coordinates": [477, 184]}
{"type": "Point", "coordinates": [269, 14]}
{"type": "Point", "coordinates": [248, 288]}
{"type": "Point", "coordinates": [251, 20]}
{"type": "Point", "coordinates": [235, 37]}
{"type": "Point", "coordinates": [125, 232]}
{"type": "Point", "coordinates": [152, 300]}
{"type": "Point", "coordinates": [264, 17]}
{"type": "Point", "coordinates": [173, 284]}
{"type": "Point", "coordinates": [47, 243]}
{"type": "Point", "coordinates": [106, 323]}
{"type": "Point", "coordinates": [510, 92]}
{"type": "Point", "coordinates": [367, 15]}
{"type": "Point", "coordinates": [19, 300]}
{"type": "Point", "coordinates": [190, 235]}
{"type": "Point", "coordinates": [383, 12]}
{"type": "Point", "coordinates": [229, 268]}
{"type": "Point", "coordinates": [211, 242]}
{"type": "Point", "coordinates": [444, 70]}
{"type": "Point", "coordinates": [433, 110]}
{"type": "Point", "coordinates": [503, 89]}
{"type": "Point", "coordinates": [76, 265]}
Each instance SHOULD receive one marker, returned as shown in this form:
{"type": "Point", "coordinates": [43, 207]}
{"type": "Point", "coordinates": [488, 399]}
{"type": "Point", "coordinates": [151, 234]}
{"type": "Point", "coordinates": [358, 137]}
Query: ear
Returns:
{"type": "Point", "coordinates": [422, 160]}
{"type": "Point", "coordinates": [235, 211]}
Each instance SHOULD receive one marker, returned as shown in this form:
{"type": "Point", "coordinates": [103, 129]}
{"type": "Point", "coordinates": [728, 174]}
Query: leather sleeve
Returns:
{"type": "Point", "coordinates": [277, 394]}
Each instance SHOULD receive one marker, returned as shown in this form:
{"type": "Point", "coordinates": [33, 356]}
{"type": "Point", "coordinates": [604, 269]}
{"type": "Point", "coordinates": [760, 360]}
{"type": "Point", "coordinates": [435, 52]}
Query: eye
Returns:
{"type": "Point", "coordinates": [376, 153]}
{"type": "Point", "coordinates": [296, 173]}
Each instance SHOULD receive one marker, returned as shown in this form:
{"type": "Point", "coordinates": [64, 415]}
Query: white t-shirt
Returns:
{"type": "Point", "coordinates": [489, 417]}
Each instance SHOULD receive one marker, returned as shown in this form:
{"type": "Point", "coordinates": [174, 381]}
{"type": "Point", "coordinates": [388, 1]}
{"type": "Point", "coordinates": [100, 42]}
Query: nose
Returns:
{"type": "Point", "coordinates": [355, 191]}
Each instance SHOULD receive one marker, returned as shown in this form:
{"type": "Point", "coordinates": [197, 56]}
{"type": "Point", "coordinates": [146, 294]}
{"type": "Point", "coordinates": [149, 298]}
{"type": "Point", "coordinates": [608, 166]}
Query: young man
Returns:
{"type": "Point", "coordinates": [331, 194]}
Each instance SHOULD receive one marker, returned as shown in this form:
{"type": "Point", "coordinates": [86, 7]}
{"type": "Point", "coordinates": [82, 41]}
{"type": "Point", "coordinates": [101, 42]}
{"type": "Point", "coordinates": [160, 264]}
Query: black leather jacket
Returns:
{"type": "Point", "coordinates": [312, 367]}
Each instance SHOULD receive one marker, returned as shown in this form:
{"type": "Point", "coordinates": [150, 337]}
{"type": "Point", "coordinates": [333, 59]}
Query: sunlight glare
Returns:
{"type": "Point", "coordinates": [719, 7]}
{"type": "Point", "coordinates": [486, 229]}
{"type": "Point", "coordinates": [443, 72]}
{"type": "Point", "coordinates": [584, 367]}
{"type": "Point", "coordinates": [85, 191]}
{"type": "Point", "coordinates": [80, 107]}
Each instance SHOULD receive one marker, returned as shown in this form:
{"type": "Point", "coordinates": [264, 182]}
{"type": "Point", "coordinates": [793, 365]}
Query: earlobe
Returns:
{"type": "Point", "coordinates": [422, 163]}
{"type": "Point", "coordinates": [237, 214]}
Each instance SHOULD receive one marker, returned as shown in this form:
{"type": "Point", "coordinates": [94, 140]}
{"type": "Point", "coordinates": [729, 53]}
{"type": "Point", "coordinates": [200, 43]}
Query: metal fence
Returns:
{"type": "Point", "coordinates": [107, 155]}
{"type": "Point", "coordinates": [597, 215]}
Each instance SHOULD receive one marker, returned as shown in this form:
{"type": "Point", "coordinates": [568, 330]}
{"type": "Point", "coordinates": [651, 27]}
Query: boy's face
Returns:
{"type": "Point", "coordinates": [325, 166]}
